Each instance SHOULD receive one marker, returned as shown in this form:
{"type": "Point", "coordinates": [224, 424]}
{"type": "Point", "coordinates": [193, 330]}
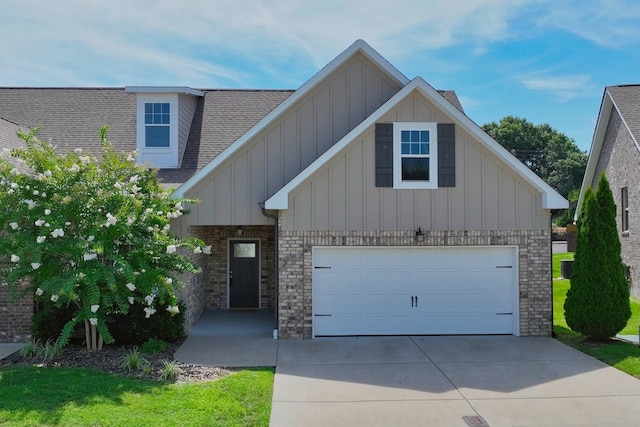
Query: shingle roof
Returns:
{"type": "Point", "coordinates": [73, 117]}
{"type": "Point", "coordinates": [451, 96]}
{"type": "Point", "coordinates": [627, 100]}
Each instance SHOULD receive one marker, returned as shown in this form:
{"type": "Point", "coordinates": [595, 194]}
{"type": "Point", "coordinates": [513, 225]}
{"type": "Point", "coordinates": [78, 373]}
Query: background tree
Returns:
{"type": "Point", "coordinates": [597, 303]}
{"type": "Point", "coordinates": [553, 156]}
{"type": "Point", "coordinates": [89, 233]}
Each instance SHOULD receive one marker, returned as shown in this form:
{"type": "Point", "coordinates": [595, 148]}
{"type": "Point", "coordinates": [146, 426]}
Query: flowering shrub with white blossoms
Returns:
{"type": "Point", "coordinates": [90, 232]}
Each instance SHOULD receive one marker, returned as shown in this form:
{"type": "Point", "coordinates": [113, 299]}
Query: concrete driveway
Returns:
{"type": "Point", "coordinates": [448, 381]}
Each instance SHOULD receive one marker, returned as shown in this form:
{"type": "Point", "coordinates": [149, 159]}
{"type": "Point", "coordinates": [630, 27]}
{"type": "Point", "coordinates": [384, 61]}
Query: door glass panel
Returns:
{"type": "Point", "coordinates": [244, 250]}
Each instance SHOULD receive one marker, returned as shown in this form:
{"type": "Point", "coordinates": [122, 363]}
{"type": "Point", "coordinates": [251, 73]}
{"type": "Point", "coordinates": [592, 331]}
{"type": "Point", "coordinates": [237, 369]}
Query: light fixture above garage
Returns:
{"type": "Point", "coordinates": [419, 235]}
{"type": "Point", "coordinates": [239, 231]}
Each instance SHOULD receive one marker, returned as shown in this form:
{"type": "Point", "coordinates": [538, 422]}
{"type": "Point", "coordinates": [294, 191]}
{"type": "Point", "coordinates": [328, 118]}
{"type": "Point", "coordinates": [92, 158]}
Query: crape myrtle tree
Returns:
{"type": "Point", "coordinates": [89, 232]}
{"type": "Point", "coordinates": [597, 304]}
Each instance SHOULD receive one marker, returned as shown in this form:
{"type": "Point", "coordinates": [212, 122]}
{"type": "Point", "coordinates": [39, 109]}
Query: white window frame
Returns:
{"type": "Point", "coordinates": [432, 183]}
{"type": "Point", "coordinates": [158, 157]}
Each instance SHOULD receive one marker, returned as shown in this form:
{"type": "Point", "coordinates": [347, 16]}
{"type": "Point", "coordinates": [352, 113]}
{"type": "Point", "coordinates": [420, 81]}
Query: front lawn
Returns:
{"type": "Point", "coordinates": [621, 355]}
{"type": "Point", "coordinates": [32, 396]}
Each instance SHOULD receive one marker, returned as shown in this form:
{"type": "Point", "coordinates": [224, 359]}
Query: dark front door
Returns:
{"type": "Point", "coordinates": [244, 274]}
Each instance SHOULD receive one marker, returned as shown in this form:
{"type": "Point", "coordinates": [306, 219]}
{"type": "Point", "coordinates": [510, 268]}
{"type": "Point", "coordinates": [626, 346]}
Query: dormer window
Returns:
{"type": "Point", "coordinates": [163, 122]}
{"type": "Point", "coordinates": [156, 122]}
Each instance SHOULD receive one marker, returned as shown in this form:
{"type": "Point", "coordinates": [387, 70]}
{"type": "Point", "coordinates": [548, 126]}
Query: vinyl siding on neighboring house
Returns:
{"type": "Point", "coordinates": [342, 195]}
{"type": "Point", "coordinates": [230, 195]}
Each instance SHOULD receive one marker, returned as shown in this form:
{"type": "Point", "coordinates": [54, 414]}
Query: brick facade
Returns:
{"type": "Point", "coordinates": [15, 318]}
{"type": "Point", "coordinates": [208, 290]}
{"type": "Point", "coordinates": [295, 270]}
{"type": "Point", "coordinates": [619, 158]}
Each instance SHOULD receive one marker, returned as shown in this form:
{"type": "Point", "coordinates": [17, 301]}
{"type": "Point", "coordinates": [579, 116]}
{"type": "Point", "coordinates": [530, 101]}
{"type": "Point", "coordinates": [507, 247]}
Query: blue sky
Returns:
{"type": "Point", "coordinates": [545, 60]}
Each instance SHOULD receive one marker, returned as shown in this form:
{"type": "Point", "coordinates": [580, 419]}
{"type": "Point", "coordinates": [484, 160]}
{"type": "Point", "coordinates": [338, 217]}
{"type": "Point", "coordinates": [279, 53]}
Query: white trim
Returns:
{"type": "Point", "coordinates": [180, 90]}
{"type": "Point", "coordinates": [550, 198]}
{"type": "Point", "coordinates": [158, 157]}
{"type": "Point", "coordinates": [259, 256]}
{"type": "Point", "coordinates": [359, 46]}
{"type": "Point", "coordinates": [432, 183]}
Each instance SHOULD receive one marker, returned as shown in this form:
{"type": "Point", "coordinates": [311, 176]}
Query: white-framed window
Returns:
{"type": "Point", "coordinates": [157, 129]}
{"type": "Point", "coordinates": [415, 155]}
{"type": "Point", "coordinates": [157, 117]}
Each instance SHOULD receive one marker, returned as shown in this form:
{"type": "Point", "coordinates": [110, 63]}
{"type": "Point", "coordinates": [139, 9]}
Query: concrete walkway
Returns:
{"type": "Point", "coordinates": [231, 339]}
{"type": "Point", "coordinates": [438, 381]}
{"type": "Point", "coordinates": [7, 349]}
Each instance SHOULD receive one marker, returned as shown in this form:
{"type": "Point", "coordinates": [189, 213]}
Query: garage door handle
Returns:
{"type": "Point", "coordinates": [504, 266]}
{"type": "Point", "coordinates": [322, 315]}
{"type": "Point", "coordinates": [412, 297]}
{"type": "Point", "coordinates": [504, 314]}
{"type": "Point", "coordinates": [321, 267]}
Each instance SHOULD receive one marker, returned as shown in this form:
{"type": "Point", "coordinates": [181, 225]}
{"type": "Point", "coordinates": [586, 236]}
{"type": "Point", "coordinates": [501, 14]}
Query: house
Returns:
{"type": "Point", "coordinates": [615, 150]}
{"type": "Point", "coordinates": [362, 203]}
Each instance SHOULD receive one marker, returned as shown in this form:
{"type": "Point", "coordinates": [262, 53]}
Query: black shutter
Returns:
{"type": "Point", "coordinates": [446, 155]}
{"type": "Point", "coordinates": [384, 154]}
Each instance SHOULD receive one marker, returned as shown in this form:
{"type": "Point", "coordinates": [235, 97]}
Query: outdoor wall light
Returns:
{"type": "Point", "coordinates": [419, 235]}
{"type": "Point", "coordinates": [239, 231]}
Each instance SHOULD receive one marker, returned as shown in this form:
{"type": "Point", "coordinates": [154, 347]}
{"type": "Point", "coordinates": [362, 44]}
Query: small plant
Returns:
{"type": "Point", "coordinates": [170, 370]}
{"type": "Point", "coordinates": [153, 346]}
{"type": "Point", "coordinates": [51, 350]}
{"type": "Point", "coordinates": [133, 360]}
{"type": "Point", "coordinates": [31, 349]}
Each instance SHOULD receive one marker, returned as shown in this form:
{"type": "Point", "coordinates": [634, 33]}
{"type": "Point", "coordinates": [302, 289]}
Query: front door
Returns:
{"type": "Point", "coordinates": [244, 274]}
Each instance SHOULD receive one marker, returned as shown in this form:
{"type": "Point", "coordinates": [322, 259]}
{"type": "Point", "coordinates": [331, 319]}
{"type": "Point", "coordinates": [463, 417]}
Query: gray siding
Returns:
{"type": "Point", "coordinates": [342, 196]}
{"type": "Point", "coordinates": [186, 107]}
{"type": "Point", "coordinates": [231, 194]}
{"type": "Point", "coordinates": [619, 158]}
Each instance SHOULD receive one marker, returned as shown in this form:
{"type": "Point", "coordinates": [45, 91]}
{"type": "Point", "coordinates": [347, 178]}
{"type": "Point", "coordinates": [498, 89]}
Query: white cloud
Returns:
{"type": "Point", "coordinates": [562, 88]}
{"type": "Point", "coordinates": [608, 23]}
{"type": "Point", "coordinates": [75, 42]}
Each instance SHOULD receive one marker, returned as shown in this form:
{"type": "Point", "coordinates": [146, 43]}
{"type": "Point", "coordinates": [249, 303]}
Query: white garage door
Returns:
{"type": "Point", "coordinates": [412, 291]}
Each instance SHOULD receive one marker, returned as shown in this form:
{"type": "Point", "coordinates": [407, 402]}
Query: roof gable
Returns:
{"type": "Point", "coordinates": [550, 198]}
{"type": "Point", "coordinates": [626, 100]}
{"type": "Point", "coordinates": [358, 47]}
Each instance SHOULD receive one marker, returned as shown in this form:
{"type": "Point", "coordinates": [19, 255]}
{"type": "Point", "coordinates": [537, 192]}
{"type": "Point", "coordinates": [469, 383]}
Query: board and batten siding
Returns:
{"type": "Point", "coordinates": [186, 109]}
{"type": "Point", "coordinates": [343, 196]}
{"type": "Point", "coordinates": [231, 194]}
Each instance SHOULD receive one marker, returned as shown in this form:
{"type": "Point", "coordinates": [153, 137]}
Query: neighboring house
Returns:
{"type": "Point", "coordinates": [363, 203]}
{"type": "Point", "coordinates": [615, 149]}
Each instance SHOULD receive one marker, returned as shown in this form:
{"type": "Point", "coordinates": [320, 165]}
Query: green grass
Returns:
{"type": "Point", "coordinates": [623, 356]}
{"type": "Point", "coordinates": [31, 396]}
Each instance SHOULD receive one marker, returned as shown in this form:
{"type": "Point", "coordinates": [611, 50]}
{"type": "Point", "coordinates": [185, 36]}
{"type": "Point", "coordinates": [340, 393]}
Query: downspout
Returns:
{"type": "Point", "coordinates": [277, 263]}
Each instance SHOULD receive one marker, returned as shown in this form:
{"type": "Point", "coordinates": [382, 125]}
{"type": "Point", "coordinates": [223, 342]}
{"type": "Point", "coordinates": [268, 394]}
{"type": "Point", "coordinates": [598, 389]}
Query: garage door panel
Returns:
{"type": "Point", "coordinates": [426, 290]}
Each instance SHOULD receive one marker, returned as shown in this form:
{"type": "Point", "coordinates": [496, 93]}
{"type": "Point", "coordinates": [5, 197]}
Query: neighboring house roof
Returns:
{"type": "Point", "coordinates": [626, 100]}
{"type": "Point", "coordinates": [550, 198]}
{"type": "Point", "coordinates": [8, 134]}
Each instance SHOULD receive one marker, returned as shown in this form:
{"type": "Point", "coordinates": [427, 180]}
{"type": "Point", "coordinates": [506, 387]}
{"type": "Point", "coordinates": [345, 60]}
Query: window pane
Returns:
{"type": "Point", "coordinates": [405, 148]}
{"type": "Point", "coordinates": [148, 118]}
{"type": "Point", "coordinates": [415, 169]}
{"type": "Point", "coordinates": [415, 148]}
{"type": "Point", "coordinates": [244, 250]}
{"type": "Point", "coordinates": [165, 119]}
{"type": "Point", "coordinates": [157, 136]}
{"type": "Point", "coordinates": [165, 108]}
{"type": "Point", "coordinates": [405, 136]}
{"type": "Point", "coordinates": [424, 148]}
{"type": "Point", "coordinates": [424, 136]}
{"type": "Point", "coordinates": [415, 136]}
{"type": "Point", "coordinates": [148, 108]}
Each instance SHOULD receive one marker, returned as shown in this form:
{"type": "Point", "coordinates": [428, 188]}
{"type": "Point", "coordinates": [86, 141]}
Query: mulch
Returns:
{"type": "Point", "coordinates": [107, 360]}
